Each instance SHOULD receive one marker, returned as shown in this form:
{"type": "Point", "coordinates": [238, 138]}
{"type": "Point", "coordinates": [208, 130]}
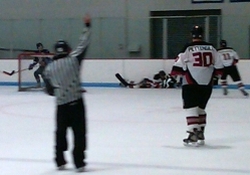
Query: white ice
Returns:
{"type": "Point", "coordinates": [130, 132]}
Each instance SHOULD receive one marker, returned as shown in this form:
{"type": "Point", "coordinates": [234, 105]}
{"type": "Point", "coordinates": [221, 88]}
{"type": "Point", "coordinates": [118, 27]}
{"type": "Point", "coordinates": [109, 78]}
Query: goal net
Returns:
{"type": "Point", "coordinates": [26, 77]}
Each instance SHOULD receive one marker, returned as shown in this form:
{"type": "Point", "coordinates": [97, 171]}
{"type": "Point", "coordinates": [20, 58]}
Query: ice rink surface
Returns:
{"type": "Point", "coordinates": [130, 132]}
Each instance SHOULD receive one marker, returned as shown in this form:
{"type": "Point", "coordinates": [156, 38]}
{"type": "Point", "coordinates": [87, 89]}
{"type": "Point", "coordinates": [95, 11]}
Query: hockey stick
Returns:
{"type": "Point", "coordinates": [21, 50]}
{"type": "Point", "coordinates": [14, 72]}
{"type": "Point", "coordinates": [9, 73]}
{"type": "Point", "coordinates": [122, 80]}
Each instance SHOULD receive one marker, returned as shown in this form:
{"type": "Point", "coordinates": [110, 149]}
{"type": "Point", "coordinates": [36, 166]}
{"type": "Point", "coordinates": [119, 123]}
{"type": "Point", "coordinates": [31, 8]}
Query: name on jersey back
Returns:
{"type": "Point", "coordinates": [199, 48]}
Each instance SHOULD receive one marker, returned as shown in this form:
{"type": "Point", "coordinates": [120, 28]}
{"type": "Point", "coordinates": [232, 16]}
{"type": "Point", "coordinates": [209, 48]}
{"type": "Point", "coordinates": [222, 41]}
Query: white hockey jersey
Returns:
{"type": "Point", "coordinates": [228, 56]}
{"type": "Point", "coordinates": [198, 63]}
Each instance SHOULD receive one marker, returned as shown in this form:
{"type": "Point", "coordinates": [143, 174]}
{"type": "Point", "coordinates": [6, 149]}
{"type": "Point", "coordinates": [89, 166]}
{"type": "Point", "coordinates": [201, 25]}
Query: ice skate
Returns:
{"type": "Point", "coordinates": [38, 85]}
{"type": "Point", "coordinates": [244, 93]}
{"type": "Point", "coordinates": [191, 140]}
{"type": "Point", "coordinates": [80, 169]}
{"type": "Point", "coordinates": [201, 138]}
{"type": "Point", "coordinates": [61, 167]}
{"type": "Point", "coordinates": [225, 91]}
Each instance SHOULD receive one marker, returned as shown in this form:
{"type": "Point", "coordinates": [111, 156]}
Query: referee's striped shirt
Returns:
{"type": "Point", "coordinates": [64, 73]}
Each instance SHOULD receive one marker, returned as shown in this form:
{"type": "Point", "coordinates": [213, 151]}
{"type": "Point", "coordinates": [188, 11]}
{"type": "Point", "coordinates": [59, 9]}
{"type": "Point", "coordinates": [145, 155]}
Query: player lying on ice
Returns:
{"type": "Point", "coordinates": [160, 80]}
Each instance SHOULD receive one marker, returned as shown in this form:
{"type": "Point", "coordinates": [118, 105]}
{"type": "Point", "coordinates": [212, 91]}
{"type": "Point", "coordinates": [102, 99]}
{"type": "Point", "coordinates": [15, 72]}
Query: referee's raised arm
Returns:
{"type": "Point", "coordinates": [81, 48]}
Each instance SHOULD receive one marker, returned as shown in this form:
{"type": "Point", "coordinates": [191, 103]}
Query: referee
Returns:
{"type": "Point", "coordinates": [63, 77]}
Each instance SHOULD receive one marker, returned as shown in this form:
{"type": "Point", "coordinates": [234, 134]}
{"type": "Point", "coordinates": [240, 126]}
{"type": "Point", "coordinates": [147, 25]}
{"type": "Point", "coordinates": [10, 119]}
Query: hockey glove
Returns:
{"type": "Point", "coordinates": [31, 66]}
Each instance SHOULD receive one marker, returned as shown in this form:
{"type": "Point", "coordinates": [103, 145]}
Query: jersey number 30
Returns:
{"type": "Point", "coordinates": [203, 59]}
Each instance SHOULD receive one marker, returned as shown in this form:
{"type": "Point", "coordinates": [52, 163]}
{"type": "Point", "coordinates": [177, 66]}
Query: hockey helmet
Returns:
{"type": "Point", "coordinates": [62, 47]}
{"type": "Point", "coordinates": [39, 45]}
{"type": "Point", "coordinates": [162, 74]}
{"type": "Point", "coordinates": [197, 32]}
{"type": "Point", "coordinates": [223, 43]}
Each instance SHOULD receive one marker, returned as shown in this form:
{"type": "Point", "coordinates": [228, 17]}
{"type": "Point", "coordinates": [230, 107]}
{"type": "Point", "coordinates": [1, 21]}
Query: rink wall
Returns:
{"type": "Point", "coordinates": [101, 72]}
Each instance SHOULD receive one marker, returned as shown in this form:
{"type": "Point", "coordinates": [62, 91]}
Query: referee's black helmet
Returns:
{"type": "Point", "coordinates": [62, 48]}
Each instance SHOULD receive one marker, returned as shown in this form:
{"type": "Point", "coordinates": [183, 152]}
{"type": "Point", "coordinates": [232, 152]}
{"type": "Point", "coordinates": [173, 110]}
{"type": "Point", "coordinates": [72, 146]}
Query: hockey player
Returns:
{"type": "Point", "coordinates": [197, 63]}
{"type": "Point", "coordinates": [161, 80]}
{"type": "Point", "coordinates": [63, 77]}
{"type": "Point", "coordinates": [230, 58]}
{"type": "Point", "coordinates": [165, 81]}
{"type": "Point", "coordinates": [44, 61]}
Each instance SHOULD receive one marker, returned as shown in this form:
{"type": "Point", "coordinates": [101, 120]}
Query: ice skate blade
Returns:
{"type": "Point", "coordinates": [191, 144]}
{"type": "Point", "coordinates": [61, 168]}
{"type": "Point", "coordinates": [201, 142]}
{"type": "Point", "coordinates": [80, 169]}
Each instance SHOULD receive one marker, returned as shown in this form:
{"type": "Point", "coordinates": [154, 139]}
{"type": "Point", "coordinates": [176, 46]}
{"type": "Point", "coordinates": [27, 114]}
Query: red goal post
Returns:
{"type": "Point", "coordinates": [26, 78]}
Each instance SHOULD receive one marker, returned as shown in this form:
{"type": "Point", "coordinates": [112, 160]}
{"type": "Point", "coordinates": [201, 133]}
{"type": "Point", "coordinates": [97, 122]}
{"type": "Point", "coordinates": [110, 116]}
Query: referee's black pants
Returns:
{"type": "Point", "coordinates": [71, 115]}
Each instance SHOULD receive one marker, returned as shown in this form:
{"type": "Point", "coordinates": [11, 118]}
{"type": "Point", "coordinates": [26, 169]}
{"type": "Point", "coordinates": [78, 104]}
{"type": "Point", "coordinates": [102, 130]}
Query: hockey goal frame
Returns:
{"type": "Point", "coordinates": [28, 56]}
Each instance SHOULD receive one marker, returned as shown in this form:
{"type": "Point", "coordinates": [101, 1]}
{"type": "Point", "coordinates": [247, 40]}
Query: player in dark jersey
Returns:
{"type": "Point", "coordinates": [230, 58]}
{"type": "Point", "coordinates": [197, 63]}
{"type": "Point", "coordinates": [63, 81]}
{"type": "Point", "coordinates": [42, 61]}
